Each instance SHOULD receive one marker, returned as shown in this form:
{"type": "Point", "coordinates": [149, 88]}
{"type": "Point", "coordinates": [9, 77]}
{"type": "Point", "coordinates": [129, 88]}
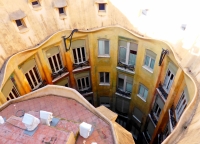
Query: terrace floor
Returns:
{"type": "Point", "coordinates": [71, 114]}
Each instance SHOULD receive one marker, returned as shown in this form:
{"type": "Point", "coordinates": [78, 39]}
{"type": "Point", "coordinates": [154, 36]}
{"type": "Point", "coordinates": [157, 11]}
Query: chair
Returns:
{"type": "Point", "coordinates": [46, 117]}
{"type": "Point", "coordinates": [30, 122]}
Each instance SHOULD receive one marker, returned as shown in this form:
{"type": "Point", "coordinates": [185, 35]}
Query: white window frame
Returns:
{"type": "Point", "coordinates": [166, 84]}
{"type": "Point", "coordinates": [84, 78]}
{"type": "Point", "coordinates": [147, 67]}
{"type": "Point", "coordinates": [38, 82]}
{"type": "Point", "coordinates": [156, 111]}
{"type": "Point", "coordinates": [79, 61]}
{"type": "Point", "coordinates": [54, 62]}
{"type": "Point", "coordinates": [182, 103]}
{"type": "Point", "coordinates": [11, 93]}
{"type": "Point", "coordinates": [142, 96]}
{"type": "Point", "coordinates": [125, 84]}
{"type": "Point", "coordinates": [104, 54]}
{"type": "Point", "coordinates": [104, 77]}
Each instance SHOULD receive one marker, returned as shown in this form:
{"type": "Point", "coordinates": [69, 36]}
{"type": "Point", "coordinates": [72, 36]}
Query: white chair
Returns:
{"type": "Point", "coordinates": [46, 117]}
{"type": "Point", "coordinates": [30, 122]}
{"type": "Point", "coordinates": [85, 129]}
{"type": "Point", "coordinates": [1, 120]}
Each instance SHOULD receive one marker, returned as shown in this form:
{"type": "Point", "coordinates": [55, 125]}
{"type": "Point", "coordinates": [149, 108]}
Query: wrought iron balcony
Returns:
{"type": "Point", "coordinates": [153, 117]}
{"type": "Point", "coordinates": [59, 73]}
{"type": "Point", "coordinates": [125, 66]}
{"type": "Point", "coordinates": [124, 93]}
{"type": "Point", "coordinates": [85, 91]}
{"type": "Point", "coordinates": [164, 94]}
{"type": "Point", "coordinates": [80, 65]}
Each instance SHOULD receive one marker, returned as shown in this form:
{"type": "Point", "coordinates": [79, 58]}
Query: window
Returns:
{"type": "Point", "coordinates": [143, 92]}
{"type": "Point", "coordinates": [127, 52]}
{"type": "Point", "coordinates": [150, 129]}
{"type": "Point", "coordinates": [35, 3]}
{"type": "Point", "coordinates": [20, 23]}
{"type": "Point", "coordinates": [149, 60]}
{"type": "Point", "coordinates": [181, 105]}
{"type": "Point", "coordinates": [168, 80]}
{"type": "Point", "coordinates": [55, 63]}
{"type": "Point", "coordinates": [125, 83]}
{"type": "Point", "coordinates": [79, 55]}
{"type": "Point", "coordinates": [104, 77]}
{"type": "Point", "coordinates": [103, 47]}
{"type": "Point", "coordinates": [102, 7]}
{"type": "Point", "coordinates": [157, 110]}
{"type": "Point", "coordinates": [33, 77]}
{"type": "Point", "coordinates": [122, 105]}
{"type": "Point", "coordinates": [137, 115]}
{"type": "Point", "coordinates": [13, 94]}
{"type": "Point", "coordinates": [61, 11]}
{"type": "Point", "coordinates": [134, 132]}
{"type": "Point", "coordinates": [83, 83]}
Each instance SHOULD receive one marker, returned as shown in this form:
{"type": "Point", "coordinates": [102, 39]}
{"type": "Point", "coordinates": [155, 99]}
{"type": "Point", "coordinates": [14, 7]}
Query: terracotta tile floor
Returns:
{"type": "Point", "coordinates": [71, 113]}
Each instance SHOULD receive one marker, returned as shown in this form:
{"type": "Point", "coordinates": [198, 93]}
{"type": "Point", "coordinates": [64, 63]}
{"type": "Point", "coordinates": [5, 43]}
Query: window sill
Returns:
{"type": "Point", "coordinates": [118, 94]}
{"type": "Point", "coordinates": [148, 69]}
{"type": "Point", "coordinates": [101, 12]}
{"type": "Point", "coordinates": [63, 16]}
{"type": "Point", "coordinates": [125, 70]}
{"type": "Point", "coordinates": [36, 8]}
{"type": "Point", "coordinates": [141, 98]}
{"type": "Point", "coordinates": [23, 29]}
{"type": "Point", "coordinates": [60, 77]}
{"type": "Point", "coordinates": [104, 84]}
{"type": "Point", "coordinates": [103, 56]}
{"type": "Point", "coordinates": [136, 119]}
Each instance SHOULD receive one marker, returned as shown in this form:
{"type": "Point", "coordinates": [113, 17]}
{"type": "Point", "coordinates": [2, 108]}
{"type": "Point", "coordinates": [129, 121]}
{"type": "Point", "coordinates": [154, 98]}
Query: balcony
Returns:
{"type": "Point", "coordinates": [146, 137]}
{"type": "Point", "coordinates": [153, 118]}
{"type": "Point", "coordinates": [80, 66]}
{"type": "Point", "coordinates": [127, 68]}
{"type": "Point", "coordinates": [57, 75]}
{"type": "Point", "coordinates": [162, 92]}
{"type": "Point", "coordinates": [42, 84]}
{"type": "Point", "coordinates": [172, 119]}
{"type": "Point", "coordinates": [86, 91]}
{"type": "Point", "coordinates": [123, 93]}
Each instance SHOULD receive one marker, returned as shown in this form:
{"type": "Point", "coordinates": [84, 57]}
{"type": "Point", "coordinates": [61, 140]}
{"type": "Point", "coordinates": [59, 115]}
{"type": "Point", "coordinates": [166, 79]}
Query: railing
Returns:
{"type": "Point", "coordinates": [124, 93]}
{"type": "Point", "coordinates": [43, 83]}
{"type": "Point", "coordinates": [155, 121]}
{"type": "Point", "coordinates": [164, 94]}
{"type": "Point", "coordinates": [85, 91]}
{"type": "Point", "coordinates": [59, 73]}
{"type": "Point", "coordinates": [129, 67]}
{"type": "Point", "coordinates": [80, 65]}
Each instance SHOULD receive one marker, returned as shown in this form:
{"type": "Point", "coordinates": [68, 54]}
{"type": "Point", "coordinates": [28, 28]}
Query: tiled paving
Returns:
{"type": "Point", "coordinates": [71, 113]}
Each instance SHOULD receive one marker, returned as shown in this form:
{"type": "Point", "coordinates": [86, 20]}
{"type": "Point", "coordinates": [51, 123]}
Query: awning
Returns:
{"type": "Point", "coordinates": [59, 3]}
{"type": "Point", "coordinates": [101, 1]}
{"type": "Point", "coordinates": [19, 14]}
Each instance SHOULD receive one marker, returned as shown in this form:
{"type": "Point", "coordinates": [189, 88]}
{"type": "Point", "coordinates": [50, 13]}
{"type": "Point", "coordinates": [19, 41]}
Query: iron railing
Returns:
{"type": "Point", "coordinates": [80, 65]}
{"type": "Point", "coordinates": [125, 66]}
{"type": "Point", "coordinates": [59, 73]}
{"type": "Point", "coordinates": [124, 93]}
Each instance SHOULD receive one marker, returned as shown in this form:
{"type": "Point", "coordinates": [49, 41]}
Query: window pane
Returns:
{"type": "Point", "coordinates": [101, 6]}
{"type": "Point", "coordinates": [79, 84]}
{"type": "Point", "coordinates": [102, 77]}
{"type": "Point", "coordinates": [141, 90]}
{"type": "Point", "coordinates": [83, 83]}
{"type": "Point", "coordinates": [122, 56]}
{"type": "Point", "coordinates": [107, 77]}
{"type": "Point", "coordinates": [121, 83]}
{"type": "Point", "coordinates": [35, 3]}
{"type": "Point", "coordinates": [51, 65]}
{"type": "Point", "coordinates": [83, 53]}
{"type": "Point", "coordinates": [147, 60]}
{"type": "Point", "coordinates": [145, 94]}
{"type": "Point", "coordinates": [29, 81]}
{"type": "Point", "coordinates": [11, 96]}
{"type": "Point", "coordinates": [36, 74]}
{"type": "Point", "coordinates": [87, 82]}
{"type": "Point", "coordinates": [79, 55]}
{"type": "Point", "coordinates": [128, 87]}
{"type": "Point", "coordinates": [101, 47]}
{"type": "Point", "coordinates": [55, 63]}
{"type": "Point", "coordinates": [152, 63]}
{"type": "Point", "coordinates": [59, 60]}
{"type": "Point", "coordinates": [61, 10]}
{"type": "Point", "coordinates": [132, 59]}
{"type": "Point", "coordinates": [75, 57]}
{"type": "Point", "coordinates": [106, 47]}
{"type": "Point", "coordinates": [33, 77]}
{"type": "Point", "coordinates": [18, 22]}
